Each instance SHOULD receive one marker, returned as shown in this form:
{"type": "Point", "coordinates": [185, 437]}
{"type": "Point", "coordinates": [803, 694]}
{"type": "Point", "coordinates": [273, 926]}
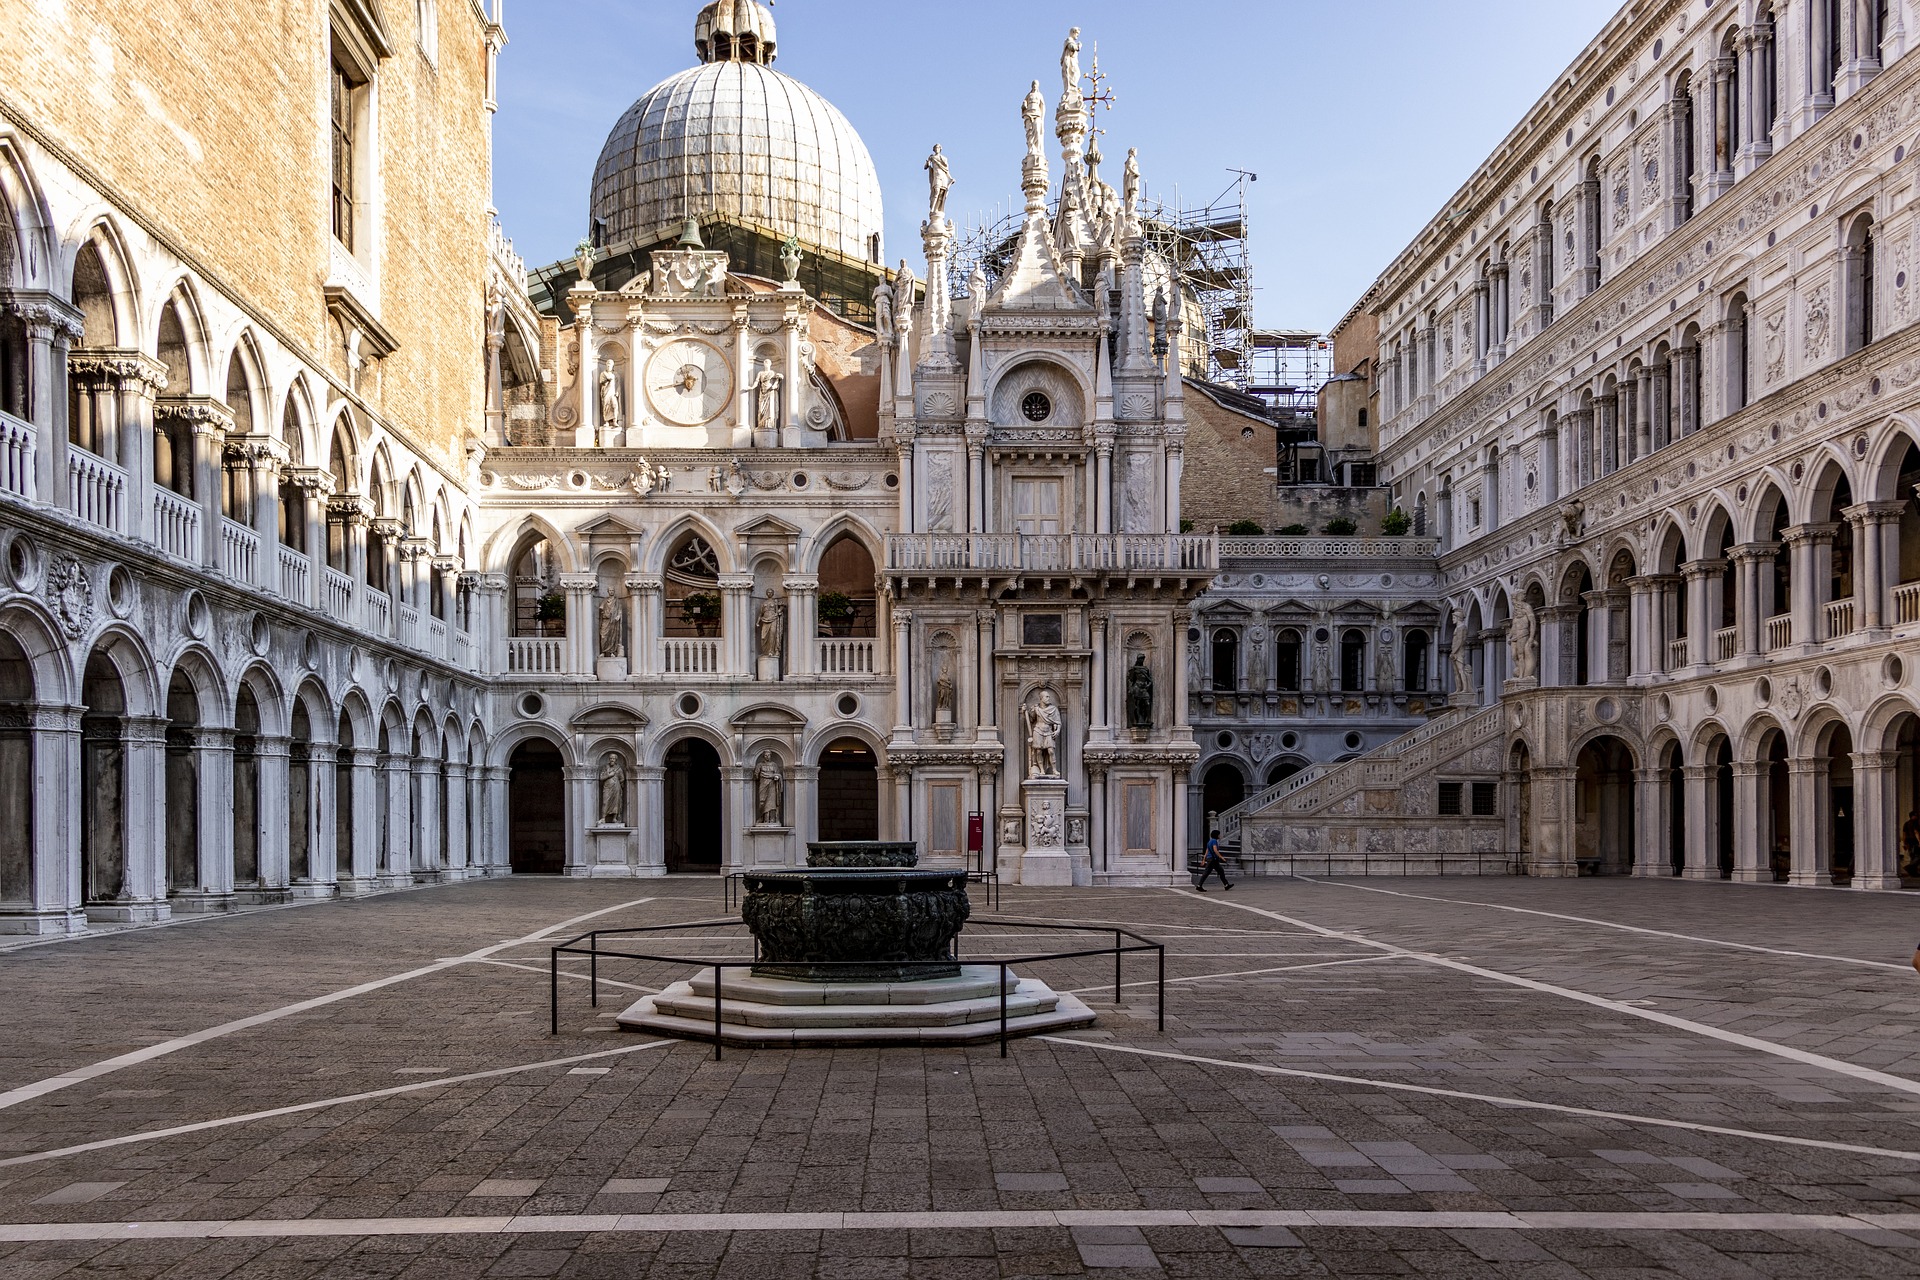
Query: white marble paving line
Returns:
{"type": "Point", "coordinates": [989, 1219]}
{"type": "Point", "coordinates": [1240, 973]}
{"type": "Point", "coordinates": [320, 1104]}
{"type": "Point", "coordinates": [106, 1066]}
{"type": "Point", "coordinates": [583, 977]}
{"type": "Point", "coordinates": [1611, 924]}
{"type": "Point", "coordinates": [1398, 1086]}
{"type": "Point", "coordinates": [1900, 1084]}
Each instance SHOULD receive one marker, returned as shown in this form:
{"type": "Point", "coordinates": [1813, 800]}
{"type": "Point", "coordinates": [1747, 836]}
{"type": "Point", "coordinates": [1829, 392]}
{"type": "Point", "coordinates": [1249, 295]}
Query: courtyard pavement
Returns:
{"type": "Point", "coordinates": [1458, 1077]}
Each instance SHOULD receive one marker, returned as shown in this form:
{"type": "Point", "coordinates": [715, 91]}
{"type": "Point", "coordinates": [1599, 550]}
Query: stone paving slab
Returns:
{"type": "Point", "coordinates": [1074, 1155]}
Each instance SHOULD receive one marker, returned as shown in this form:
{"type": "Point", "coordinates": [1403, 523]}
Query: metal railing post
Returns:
{"type": "Point", "coordinates": [1003, 1008]}
{"type": "Point", "coordinates": [1161, 1004]}
{"type": "Point", "coordinates": [593, 966]}
{"type": "Point", "coordinates": [716, 1011]}
{"type": "Point", "coordinates": [553, 992]}
{"type": "Point", "coordinates": [1116, 966]}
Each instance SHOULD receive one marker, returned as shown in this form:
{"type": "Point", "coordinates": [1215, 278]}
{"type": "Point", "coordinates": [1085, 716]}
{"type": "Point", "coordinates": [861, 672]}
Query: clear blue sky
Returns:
{"type": "Point", "coordinates": [1360, 116]}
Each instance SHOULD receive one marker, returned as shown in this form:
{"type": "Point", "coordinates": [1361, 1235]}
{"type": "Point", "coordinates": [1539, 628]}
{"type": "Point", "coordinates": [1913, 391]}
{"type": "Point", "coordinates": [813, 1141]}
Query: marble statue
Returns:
{"type": "Point", "coordinates": [613, 639]}
{"type": "Point", "coordinates": [1033, 110]}
{"type": "Point", "coordinates": [766, 395]}
{"type": "Point", "coordinates": [1043, 736]}
{"type": "Point", "coordinates": [1046, 826]}
{"type": "Point", "coordinates": [1139, 694]}
{"type": "Point", "coordinates": [1523, 639]}
{"type": "Point", "coordinates": [1070, 66]}
{"type": "Point", "coordinates": [1130, 184]}
{"type": "Point", "coordinates": [613, 790]}
{"type": "Point", "coordinates": [769, 790]}
{"type": "Point", "coordinates": [977, 287]}
{"type": "Point", "coordinates": [609, 396]}
{"type": "Point", "coordinates": [770, 626]}
{"type": "Point", "coordinates": [496, 314]}
{"type": "Point", "coordinates": [1458, 657]}
{"type": "Point", "coordinates": [939, 182]}
{"type": "Point", "coordinates": [790, 261]}
{"type": "Point", "coordinates": [883, 309]}
{"type": "Point", "coordinates": [1383, 663]}
{"type": "Point", "coordinates": [583, 255]}
{"type": "Point", "coordinates": [943, 691]}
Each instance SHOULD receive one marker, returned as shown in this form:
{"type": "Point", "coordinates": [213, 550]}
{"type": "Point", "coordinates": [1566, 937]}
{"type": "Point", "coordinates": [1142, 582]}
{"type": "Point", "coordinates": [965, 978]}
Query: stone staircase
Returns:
{"type": "Point", "coordinates": [1379, 814]}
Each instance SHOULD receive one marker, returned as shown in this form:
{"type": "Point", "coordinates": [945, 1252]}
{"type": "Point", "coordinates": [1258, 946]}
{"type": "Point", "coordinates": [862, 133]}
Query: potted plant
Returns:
{"type": "Point", "coordinates": [1341, 528]}
{"type": "Point", "coordinates": [1292, 531]}
{"type": "Point", "coordinates": [549, 610]}
{"type": "Point", "coordinates": [1245, 529]}
{"type": "Point", "coordinates": [1396, 524]}
{"type": "Point", "coordinates": [836, 611]}
{"type": "Point", "coordinates": [701, 611]}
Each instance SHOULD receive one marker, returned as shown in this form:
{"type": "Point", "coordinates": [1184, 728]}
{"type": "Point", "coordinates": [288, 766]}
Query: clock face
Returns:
{"type": "Point", "coordinates": [688, 382]}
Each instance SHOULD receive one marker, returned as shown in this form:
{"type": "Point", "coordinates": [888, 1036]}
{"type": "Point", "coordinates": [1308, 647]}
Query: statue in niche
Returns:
{"type": "Point", "coordinates": [609, 396]}
{"type": "Point", "coordinates": [1139, 694]}
{"type": "Point", "coordinates": [943, 690]}
{"type": "Point", "coordinates": [1043, 736]}
{"type": "Point", "coordinates": [883, 309]}
{"type": "Point", "coordinates": [940, 493]}
{"type": "Point", "coordinates": [1458, 657]}
{"type": "Point", "coordinates": [1070, 67]}
{"type": "Point", "coordinates": [766, 395]}
{"type": "Point", "coordinates": [1523, 638]}
{"type": "Point", "coordinates": [613, 790]}
{"type": "Point", "coordinates": [1033, 110]}
{"type": "Point", "coordinates": [1321, 683]}
{"type": "Point", "coordinates": [769, 790]}
{"type": "Point", "coordinates": [1194, 664]}
{"type": "Point", "coordinates": [1256, 658]}
{"type": "Point", "coordinates": [770, 626]}
{"type": "Point", "coordinates": [939, 182]}
{"type": "Point", "coordinates": [613, 633]}
{"type": "Point", "coordinates": [1383, 663]}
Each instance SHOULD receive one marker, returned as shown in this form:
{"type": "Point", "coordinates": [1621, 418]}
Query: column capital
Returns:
{"type": "Point", "coordinates": [1697, 570]}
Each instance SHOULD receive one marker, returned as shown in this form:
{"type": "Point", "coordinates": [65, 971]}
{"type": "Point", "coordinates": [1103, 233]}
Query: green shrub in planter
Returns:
{"type": "Point", "coordinates": [1341, 528]}
{"type": "Point", "coordinates": [551, 607]}
{"type": "Point", "coordinates": [1246, 529]}
{"type": "Point", "coordinates": [1292, 531]}
{"type": "Point", "coordinates": [1396, 524]}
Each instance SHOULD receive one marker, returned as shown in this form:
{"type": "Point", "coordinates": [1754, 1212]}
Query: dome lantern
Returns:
{"type": "Point", "coordinates": [735, 31]}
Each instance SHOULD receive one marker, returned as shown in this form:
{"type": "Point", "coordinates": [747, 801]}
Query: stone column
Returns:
{"type": "Point", "coordinates": [270, 756]}
{"type": "Point", "coordinates": [1660, 407]}
{"type": "Point", "coordinates": [358, 868]}
{"type": "Point", "coordinates": [803, 624]}
{"type": "Point", "coordinates": [985, 693]}
{"type": "Point", "coordinates": [902, 639]}
{"type": "Point", "coordinates": [1806, 809]}
{"type": "Point", "coordinates": [1650, 813]}
{"type": "Point", "coordinates": [1182, 695]}
{"type": "Point", "coordinates": [1641, 628]}
{"type": "Point", "coordinates": [499, 827]}
{"type": "Point", "coordinates": [1702, 819]}
{"type": "Point", "coordinates": [45, 367]}
{"type": "Point", "coordinates": [1749, 857]}
{"type": "Point", "coordinates": [1702, 576]}
{"type": "Point", "coordinates": [1747, 559]}
{"type": "Point", "coordinates": [737, 649]}
{"type": "Point", "coordinates": [264, 460]}
{"type": "Point", "coordinates": [1103, 486]}
{"type": "Point", "coordinates": [1876, 821]}
{"type": "Point", "coordinates": [213, 776]}
{"type": "Point", "coordinates": [454, 856]}
{"type": "Point", "coordinates": [396, 853]}
{"type": "Point", "coordinates": [1554, 833]}
{"type": "Point", "coordinates": [1099, 697]}
{"type": "Point", "coordinates": [581, 622]}
{"type": "Point", "coordinates": [1643, 416]}
{"type": "Point", "coordinates": [649, 819]}
{"type": "Point", "coordinates": [1811, 550]}
{"type": "Point", "coordinates": [144, 740]}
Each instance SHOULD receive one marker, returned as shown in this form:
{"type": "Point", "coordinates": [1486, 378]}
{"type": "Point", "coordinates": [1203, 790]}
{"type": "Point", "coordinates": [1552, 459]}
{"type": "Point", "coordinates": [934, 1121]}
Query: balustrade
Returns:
{"type": "Point", "coordinates": [1906, 603]}
{"type": "Point", "coordinates": [176, 525]}
{"type": "Point", "coordinates": [1052, 553]}
{"type": "Point", "coordinates": [682, 657]}
{"type": "Point", "coordinates": [295, 570]}
{"type": "Point", "coordinates": [336, 594]}
{"type": "Point", "coordinates": [1676, 653]}
{"type": "Point", "coordinates": [1726, 641]}
{"type": "Point", "coordinates": [379, 610]}
{"type": "Point", "coordinates": [1779, 631]}
{"type": "Point", "coordinates": [846, 658]}
{"type": "Point", "coordinates": [239, 550]}
{"type": "Point", "coordinates": [535, 656]}
{"type": "Point", "coordinates": [17, 442]}
{"type": "Point", "coordinates": [96, 490]}
{"type": "Point", "coordinates": [1839, 619]}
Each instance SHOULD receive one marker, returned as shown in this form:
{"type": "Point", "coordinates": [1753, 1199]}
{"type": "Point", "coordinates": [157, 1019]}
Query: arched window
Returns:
{"type": "Point", "coordinates": [1286, 660]}
{"type": "Point", "coordinates": [1353, 661]}
{"type": "Point", "coordinates": [1826, 51]}
{"type": "Point", "coordinates": [1738, 384]}
{"type": "Point", "coordinates": [1726, 106]}
{"type": "Point", "coordinates": [1414, 659]}
{"type": "Point", "coordinates": [691, 589]}
{"type": "Point", "coordinates": [539, 606]}
{"type": "Point", "coordinates": [1544, 261]}
{"type": "Point", "coordinates": [1226, 659]}
{"type": "Point", "coordinates": [847, 604]}
{"type": "Point", "coordinates": [1766, 78]}
{"type": "Point", "coordinates": [1590, 226]}
{"type": "Point", "coordinates": [1684, 148]}
{"type": "Point", "coordinates": [1858, 257]}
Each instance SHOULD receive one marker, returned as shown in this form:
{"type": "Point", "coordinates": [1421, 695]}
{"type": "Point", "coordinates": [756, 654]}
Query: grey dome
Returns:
{"type": "Point", "coordinates": [737, 139]}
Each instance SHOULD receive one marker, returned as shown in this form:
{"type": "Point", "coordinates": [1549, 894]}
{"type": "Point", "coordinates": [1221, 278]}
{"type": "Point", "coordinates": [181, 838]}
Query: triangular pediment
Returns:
{"type": "Point", "coordinates": [768, 717]}
{"type": "Point", "coordinates": [608, 527]}
{"type": "Point", "coordinates": [1033, 280]}
{"type": "Point", "coordinates": [769, 527]}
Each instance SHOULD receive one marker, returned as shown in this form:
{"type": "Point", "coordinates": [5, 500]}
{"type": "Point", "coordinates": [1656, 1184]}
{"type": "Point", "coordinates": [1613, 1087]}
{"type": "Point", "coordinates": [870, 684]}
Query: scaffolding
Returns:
{"type": "Point", "coordinates": [1289, 368]}
{"type": "Point", "coordinates": [1206, 251]}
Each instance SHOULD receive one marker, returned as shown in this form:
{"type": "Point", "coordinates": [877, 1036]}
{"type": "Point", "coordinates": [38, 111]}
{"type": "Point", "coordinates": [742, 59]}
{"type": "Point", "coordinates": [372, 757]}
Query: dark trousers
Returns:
{"type": "Point", "coordinates": [1214, 867]}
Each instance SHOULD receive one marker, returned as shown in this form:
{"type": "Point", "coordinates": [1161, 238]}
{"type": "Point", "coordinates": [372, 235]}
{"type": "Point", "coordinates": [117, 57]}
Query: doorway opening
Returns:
{"type": "Point", "coordinates": [695, 819]}
{"type": "Point", "coordinates": [536, 810]}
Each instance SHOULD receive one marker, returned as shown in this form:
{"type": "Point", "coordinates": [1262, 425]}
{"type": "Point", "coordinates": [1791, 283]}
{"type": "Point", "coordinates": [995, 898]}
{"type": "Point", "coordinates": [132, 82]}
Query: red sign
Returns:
{"type": "Point", "coordinates": [976, 832]}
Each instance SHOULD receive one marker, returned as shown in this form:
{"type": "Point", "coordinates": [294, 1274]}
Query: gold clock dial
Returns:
{"type": "Point", "coordinates": [688, 382]}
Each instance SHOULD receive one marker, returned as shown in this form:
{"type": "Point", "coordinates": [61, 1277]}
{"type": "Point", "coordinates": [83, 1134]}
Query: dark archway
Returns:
{"type": "Point", "coordinates": [1776, 808]}
{"type": "Point", "coordinates": [849, 792]}
{"type": "Point", "coordinates": [343, 800]}
{"type": "Point", "coordinates": [246, 790]}
{"type": "Point", "coordinates": [1723, 808]}
{"type": "Point", "coordinates": [1603, 807]}
{"type": "Point", "coordinates": [695, 813]}
{"type": "Point", "coordinates": [183, 788]}
{"type": "Point", "coordinates": [300, 798]}
{"type": "Point", "coordinates": [103, 827]}
{"type": "Point", "coordinates": [1676, 809]}
{"type": "Point", "coordinates": [1284, 769]}
{"type": "Point", "coordinates": [1223, 787]}
{"type": "Point", "coordinates": [16, 772]}
{"type": "Point", "coordinates": [536, 809]}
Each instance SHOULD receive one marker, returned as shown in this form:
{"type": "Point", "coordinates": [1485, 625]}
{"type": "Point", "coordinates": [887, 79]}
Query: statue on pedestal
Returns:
{"type": "Point", "coordinates": [1033, 110]}
{"type": "Point", "coordinates": [766, 394]}
{"type": "Point", "coordinates": [1523, 639]}
{"type": "Point", "coordinates": [1458, 657]}
{"type": "Point", "coordinates": [613, 638]}
{"type": "Point", "coordinates": [939, 182]}
{"type": "Point", "coordinates": [609, 397]}
{"type": "Point", "coordinates": [770, 627]}
{"type": "Point", "coordinates": [769, 790]}
{"type": "Point", "coordinates": [883, 309]}
{"type": "Point", "coordinates": [1043, 736]}
{"type": "Point", "coordinates": [613, 790]}
{"type": "Point", "coordinates": [1139, 694]}
{"type": "Point", "coordinates": [1070, 66]}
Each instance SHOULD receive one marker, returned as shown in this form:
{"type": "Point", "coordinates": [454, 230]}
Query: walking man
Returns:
{"type": "Point", "coordinates": [1211, 863]}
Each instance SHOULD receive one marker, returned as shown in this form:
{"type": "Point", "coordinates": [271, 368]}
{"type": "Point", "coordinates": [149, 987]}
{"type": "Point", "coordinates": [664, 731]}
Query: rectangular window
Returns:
{"type": "Point", "coordinates": [1450, 799]}
{"type": "Point", "coordinates": [1485, 794]}
{"type": "Point", "coordinates": [1360, 475]}
{"type": "Point", "coordinates": [1040, 629]}
{"type": "Point", "coordinates": [346, 90]}
{"type": "Point", "coordinates": [943, 807]}
{"type": "Point", "coordinates": [1136, 807]}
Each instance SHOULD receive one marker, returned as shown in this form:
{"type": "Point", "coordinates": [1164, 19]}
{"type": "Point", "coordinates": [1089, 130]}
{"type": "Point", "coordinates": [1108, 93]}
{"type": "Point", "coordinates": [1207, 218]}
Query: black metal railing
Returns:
{"type": "Point", "coordinates": [1125, 942]}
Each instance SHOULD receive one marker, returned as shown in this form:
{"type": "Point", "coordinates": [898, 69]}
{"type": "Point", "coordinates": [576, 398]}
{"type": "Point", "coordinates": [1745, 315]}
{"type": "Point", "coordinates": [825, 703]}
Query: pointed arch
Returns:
{"type": "Point", "coordinates": [103, 285]}
{"type": "Point", "coordinates": [179, 340]}
{"type": "Point", "coordinates": [201, 668]}
{"type": "Point", "coordinates": [670, 539]}
{"type": "Point", "coordinates": [270, 697]}
{"type": "Point", "coordinates": [509, 542]}
{"type": "Point", "coordinates": [28, 247]}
